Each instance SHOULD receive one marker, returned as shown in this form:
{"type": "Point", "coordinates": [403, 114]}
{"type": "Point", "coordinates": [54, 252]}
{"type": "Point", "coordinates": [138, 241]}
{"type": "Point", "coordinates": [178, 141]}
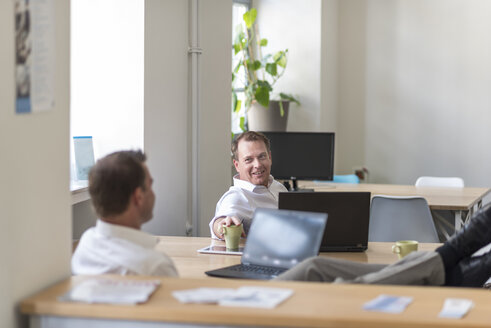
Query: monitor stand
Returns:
{"type": "Point", "coordinates": [294, 186]}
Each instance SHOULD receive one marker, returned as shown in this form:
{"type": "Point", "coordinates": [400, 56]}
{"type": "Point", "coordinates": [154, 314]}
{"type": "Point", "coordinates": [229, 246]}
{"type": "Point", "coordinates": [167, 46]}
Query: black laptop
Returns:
{"type": "Point", "coordinates": [277, 241]}
{"type": "Point", "coordinates": [349, 215]}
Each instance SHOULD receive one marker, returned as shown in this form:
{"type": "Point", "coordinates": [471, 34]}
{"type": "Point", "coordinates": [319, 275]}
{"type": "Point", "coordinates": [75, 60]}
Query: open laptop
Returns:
{"type": "Point", "coordinates": [277, 241]}
{"type": "Point", "coordinates": [349, 215]}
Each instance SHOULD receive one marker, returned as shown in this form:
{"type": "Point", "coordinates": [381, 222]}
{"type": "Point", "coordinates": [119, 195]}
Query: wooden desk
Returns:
{"type": "Point", "coordinates": [461, 201]}
{"type": "Point", "coordinates": [312, 305]}
{"type": "Point", "coordinates": [191, 264]}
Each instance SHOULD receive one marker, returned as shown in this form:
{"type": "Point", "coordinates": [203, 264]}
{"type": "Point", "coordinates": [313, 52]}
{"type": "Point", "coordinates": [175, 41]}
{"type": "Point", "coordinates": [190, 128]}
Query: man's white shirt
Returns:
{"type": "Point", "coordinates": [242, 199]}
{"type": "Point", "coordinates": [111, 248]}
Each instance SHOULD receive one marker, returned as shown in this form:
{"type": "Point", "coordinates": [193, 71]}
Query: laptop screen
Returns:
{"type": "Point", "coordinates": [349, 215]}
{"type": "Point", "coordinates": [281, 238]}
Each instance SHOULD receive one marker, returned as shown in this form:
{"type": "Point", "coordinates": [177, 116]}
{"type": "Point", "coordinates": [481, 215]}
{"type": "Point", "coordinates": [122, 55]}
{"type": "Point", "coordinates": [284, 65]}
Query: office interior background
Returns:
{"type": "Point", "coordinates": [404, 84]}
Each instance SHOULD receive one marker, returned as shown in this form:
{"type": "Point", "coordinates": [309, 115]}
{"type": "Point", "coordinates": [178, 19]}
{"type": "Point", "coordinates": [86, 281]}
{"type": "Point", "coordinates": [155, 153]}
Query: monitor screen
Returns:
{"type": "Point", "coordinates": [302, 155]}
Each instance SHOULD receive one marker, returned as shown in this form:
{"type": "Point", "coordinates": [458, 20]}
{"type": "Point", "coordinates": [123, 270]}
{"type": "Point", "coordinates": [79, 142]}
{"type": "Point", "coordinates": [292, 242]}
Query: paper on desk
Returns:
{"type": "Point", "coordinates": [258, 297]}
{"type": "Point", "coordinates": [112, 291]}
{"type": "Point", "coordinates": [203, 295]}
{"type": "Point", "coordinates": [455, 308]}
{"type": "Point", "coordinates": [388, 304]}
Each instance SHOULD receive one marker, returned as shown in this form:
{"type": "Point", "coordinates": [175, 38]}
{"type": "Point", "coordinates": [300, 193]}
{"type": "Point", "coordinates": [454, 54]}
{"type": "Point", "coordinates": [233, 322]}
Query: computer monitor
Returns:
{"type": "Point", "coordinates": [302, 155]}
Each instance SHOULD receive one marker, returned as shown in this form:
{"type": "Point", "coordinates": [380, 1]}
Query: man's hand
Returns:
{"type": "Point", "coordinates": [226, 221]}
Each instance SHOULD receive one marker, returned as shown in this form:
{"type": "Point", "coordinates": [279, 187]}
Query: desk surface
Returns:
{"type": "Point", "coordinates": [191, 264]}
{"type": "Point", "coordinates": [312, 305]}
{"type": "Point", "coordinates": [456, 199]}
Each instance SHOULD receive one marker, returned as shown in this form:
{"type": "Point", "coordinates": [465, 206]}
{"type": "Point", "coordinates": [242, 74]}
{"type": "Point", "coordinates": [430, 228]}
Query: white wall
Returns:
{"type": "Point", "coordinates": [35, 234]}
{"type": "Point", "coordinates": [296, 25]}
{"type": "Point", "coordinates": [403, 83]}
{"type": "Point", "coordinates": [425, 103]}
{"type": "Point", "coordinates": [168, 120]}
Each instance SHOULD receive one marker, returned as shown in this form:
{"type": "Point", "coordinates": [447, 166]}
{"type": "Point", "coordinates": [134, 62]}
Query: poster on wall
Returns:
{"type": "Point", "coordinates": [34, 55]}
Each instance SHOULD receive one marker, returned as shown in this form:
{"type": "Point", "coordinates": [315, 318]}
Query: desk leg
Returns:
{"type": "Point", "coordinates": [458, 220]}
{"type": "Point", "coordinates": [462, 217]}
{"type": "Point", "coordinates": [442, 225]}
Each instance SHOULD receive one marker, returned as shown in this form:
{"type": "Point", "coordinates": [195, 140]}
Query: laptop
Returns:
{"type": "Point", "coordinates": [349, 215]}
{"type": "Point", "coordinates": [277, 241]}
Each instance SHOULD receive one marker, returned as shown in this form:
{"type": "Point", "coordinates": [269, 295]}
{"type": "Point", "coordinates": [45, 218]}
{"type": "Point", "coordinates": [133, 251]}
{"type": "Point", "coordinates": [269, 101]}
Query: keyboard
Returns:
{"type": "Point", "coordinates": [257, 269]}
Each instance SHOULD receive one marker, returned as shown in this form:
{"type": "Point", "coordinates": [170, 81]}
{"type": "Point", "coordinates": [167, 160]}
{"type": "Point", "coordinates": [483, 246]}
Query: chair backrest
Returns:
{"type": "Point", "coordinates": [440, 182]}
{"type": "Point", "coordinates": [346, 178]}
{"type": "Point", "coordinates": [395, 218]}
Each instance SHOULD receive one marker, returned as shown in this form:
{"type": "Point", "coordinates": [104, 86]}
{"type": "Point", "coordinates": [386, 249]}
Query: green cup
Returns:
{"type": "Point", "coordinates": [404, 247]}
{"type": "Point", "coordinates": [232, 237]}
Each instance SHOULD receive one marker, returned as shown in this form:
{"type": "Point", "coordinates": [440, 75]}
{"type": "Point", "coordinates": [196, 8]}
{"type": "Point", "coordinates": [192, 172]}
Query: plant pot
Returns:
{"type": "Point", "coordinates": [268, 119]}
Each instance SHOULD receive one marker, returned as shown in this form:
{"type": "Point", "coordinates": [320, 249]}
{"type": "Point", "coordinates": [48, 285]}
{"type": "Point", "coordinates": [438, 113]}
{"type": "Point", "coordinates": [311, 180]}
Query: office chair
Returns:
{"type": "Point", "coordinates": [439, 182]}
{"type": "Point", "coordinates": [443, 219]}
{"type": "Point", "coordinates": [395, 218]}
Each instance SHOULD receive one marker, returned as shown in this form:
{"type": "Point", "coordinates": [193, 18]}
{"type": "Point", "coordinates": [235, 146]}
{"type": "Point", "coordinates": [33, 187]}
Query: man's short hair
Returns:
{"type": "Point", "coordinates": [248, 136]}
{"type": "Point", "coordinates": [113, 179]}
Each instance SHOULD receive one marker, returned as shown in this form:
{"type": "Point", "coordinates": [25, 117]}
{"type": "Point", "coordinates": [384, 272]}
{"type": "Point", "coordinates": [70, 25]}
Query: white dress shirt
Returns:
{"type": "Point", "coordinates": [111, 248]}
{"type": "Point", "coordinates": [242, 199]}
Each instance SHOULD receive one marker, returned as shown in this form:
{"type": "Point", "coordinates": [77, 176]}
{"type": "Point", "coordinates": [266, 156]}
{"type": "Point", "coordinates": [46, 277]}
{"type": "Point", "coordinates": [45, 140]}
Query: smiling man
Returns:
{"type": "Point", "coordinates": [253, 185]}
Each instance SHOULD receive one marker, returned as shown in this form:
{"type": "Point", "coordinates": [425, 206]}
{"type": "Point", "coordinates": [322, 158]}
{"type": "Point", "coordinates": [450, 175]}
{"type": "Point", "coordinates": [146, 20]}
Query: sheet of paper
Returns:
{"type": "Point", "coordinates": [257, 297]}
{"type": "Point", "coordinates": [388, 304]}
{"type": "Point", "coordinates": [203, 295]}
{"type": "Point", "coordinates": [455, 308]}
{"type": "Point", "coordinates": [111, 291]}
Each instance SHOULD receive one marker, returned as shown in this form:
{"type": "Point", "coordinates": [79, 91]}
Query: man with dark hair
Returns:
{"type": "Point", "coordinates": [253, 185]}
{"type": "Point", "coordinates": [451, 264]}
{"type": "Point", "coordinates": [120, 187]}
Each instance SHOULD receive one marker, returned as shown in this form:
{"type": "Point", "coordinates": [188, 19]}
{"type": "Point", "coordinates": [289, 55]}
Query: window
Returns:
{"type": "Point", "coordinates": [107, 54]}
{"type": "Point", "coordinates": [238, 10]}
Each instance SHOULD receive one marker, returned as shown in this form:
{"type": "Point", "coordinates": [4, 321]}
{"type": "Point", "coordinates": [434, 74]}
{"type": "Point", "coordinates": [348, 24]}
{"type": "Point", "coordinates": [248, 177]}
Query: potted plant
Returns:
{"type": "Point", "coordinates": [258, 73]}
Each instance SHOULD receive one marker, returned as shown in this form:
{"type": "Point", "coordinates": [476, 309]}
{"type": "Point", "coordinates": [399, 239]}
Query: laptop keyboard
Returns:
{"type": "Point", "coordinates": [258, 269]}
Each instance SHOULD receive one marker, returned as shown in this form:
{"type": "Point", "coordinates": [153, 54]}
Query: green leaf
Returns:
{"type": "Point", "coordinates": [271, 69]}
{"type": "Point", "coordinates": [237, 67]}
{"type": "Point", "coordinates": [250, 17]}
{"type": "Point", "coordinates": [242, 123]}
{"type": "Point", "coordinates": [280, 58]}
{"type": "Point", "coordinates": [288, 97]}
{"type": "Point", "coordinates": [234, 101]}
{"type": "Point", "coordinates": [282, 111]}
{"type": "Point", "coordinates": [236, 48]}
{"type": "Point", "coordinates": [254, 66]}
{"type": "Point", "coordinates": [238, 105]}
{"type": "Point", "coordinates": [263, 42]}
{"type": "Point", "coordinates": [264, 84]}
{"type": "Point", "coordinates": [262, 96]}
